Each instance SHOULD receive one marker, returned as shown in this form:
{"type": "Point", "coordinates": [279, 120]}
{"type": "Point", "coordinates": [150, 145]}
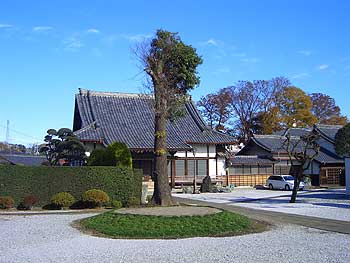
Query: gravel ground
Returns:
{"type": "Point", "coordinates": [330, 204]}
{"type": "Point", "coordinates": [50, 238]}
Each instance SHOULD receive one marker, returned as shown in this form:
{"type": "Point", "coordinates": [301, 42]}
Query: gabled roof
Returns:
{"type": "Point", "coordinates": [274, 143]}
{"type": "Point", "coordinates": [271, 143]}
{"type": "Point", "coordinates": [327, 131]}
{"type": "Point", "coordinates": [129, 118]}
{"type": "Point", "coordinates": [293, 131]}
{"type": "Point", "coordinates": [23, 159]}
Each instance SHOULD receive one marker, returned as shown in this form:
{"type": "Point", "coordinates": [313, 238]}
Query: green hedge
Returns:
{"type": "Point", "coordinates": [44, 182]}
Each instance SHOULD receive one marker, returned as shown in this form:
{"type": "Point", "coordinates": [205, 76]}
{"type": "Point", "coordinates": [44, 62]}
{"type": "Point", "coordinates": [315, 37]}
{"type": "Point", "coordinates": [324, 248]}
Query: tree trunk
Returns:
{"type": "Point", "coordinates": [297, 178]}
{"type": "Point", "coordinates": [162, 191]}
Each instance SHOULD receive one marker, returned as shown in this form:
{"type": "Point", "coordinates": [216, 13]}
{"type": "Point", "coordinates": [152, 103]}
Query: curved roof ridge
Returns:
{"type": "Point", "coordinates": [87, 92]}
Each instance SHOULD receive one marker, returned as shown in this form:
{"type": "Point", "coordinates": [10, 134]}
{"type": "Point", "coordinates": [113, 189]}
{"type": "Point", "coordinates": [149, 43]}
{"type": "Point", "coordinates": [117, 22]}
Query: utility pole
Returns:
{"type": "Point", "coordinates": [7, 139]}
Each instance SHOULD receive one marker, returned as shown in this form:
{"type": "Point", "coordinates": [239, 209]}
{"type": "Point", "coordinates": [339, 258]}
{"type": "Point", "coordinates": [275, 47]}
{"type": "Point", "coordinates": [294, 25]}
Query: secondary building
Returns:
{"type": "Point", "coordinates": [101, 118]}
{"type": "Point", "coordinates": [326, 169]}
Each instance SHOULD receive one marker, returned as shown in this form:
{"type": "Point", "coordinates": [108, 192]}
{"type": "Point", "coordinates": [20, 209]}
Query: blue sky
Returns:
{"type": "Point", "coordinates": [48, 49]}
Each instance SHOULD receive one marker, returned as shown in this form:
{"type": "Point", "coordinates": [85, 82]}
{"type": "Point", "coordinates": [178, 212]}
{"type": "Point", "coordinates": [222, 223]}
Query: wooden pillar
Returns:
{"type": "Point", "coordinates": [172, 172]}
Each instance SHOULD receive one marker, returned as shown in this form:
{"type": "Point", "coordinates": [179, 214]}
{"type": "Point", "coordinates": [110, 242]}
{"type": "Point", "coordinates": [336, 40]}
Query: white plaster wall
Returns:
{"type": "Point", "coordinates": [201, 151]}
{"type": "Point", "coordinates": [221, 166]}
{"type": "Point", "coordinates": [212, 168]}
{"type": "Point", "coordinates": [212, 150]}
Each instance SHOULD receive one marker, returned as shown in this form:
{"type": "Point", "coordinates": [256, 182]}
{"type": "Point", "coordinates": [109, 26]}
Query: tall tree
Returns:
{"type": "Point", "coordinates": [267, 122]}
{"type": "Point", "coordinates": [215, 108]}
{"type": "Point", "coordinates": [295, 108]}
{"type": "Point", "coordinates": [62, 144]}
{"type": "Point", "coordinates": [253, 99]}
{"type": "Point", "coordinates": [326, 110]}
{"type": "Point", "coordinates": [172, 68]}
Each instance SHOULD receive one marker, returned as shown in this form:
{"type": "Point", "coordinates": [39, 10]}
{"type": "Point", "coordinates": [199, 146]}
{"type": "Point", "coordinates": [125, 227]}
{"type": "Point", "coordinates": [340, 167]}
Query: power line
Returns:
{"type": "Point", "coordinates": [21, 133]}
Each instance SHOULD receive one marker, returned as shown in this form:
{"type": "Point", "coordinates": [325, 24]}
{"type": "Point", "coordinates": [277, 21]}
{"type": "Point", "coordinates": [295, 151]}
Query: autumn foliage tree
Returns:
{"type": "Point", "coordinates": [247, 106]}
{"type": "Point", "coordinates": [215, 107]}
{"type": "Point", "coordinates": [172, 67]}
{"type": "Point", "coordinates": [295, 108]}
{"type": "Point", "coordinates": [326, 110]}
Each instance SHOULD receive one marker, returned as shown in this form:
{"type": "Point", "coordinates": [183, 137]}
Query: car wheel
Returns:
{"type": "Point", "coordinates": [287, 187]}
{"type": "Point", "coordinates": [270, 186]}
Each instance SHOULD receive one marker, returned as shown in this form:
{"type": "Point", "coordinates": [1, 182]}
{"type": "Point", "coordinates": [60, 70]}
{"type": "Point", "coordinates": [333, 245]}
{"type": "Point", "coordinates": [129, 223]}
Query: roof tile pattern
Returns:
{"type": "Point", "coordinates": [129, 118]}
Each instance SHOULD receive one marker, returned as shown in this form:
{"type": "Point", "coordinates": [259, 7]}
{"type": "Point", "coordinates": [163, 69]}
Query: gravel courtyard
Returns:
{"type": "Point", "coordinates": [50, 238]}
{"type": "Point", "coordinates": [330, 204]}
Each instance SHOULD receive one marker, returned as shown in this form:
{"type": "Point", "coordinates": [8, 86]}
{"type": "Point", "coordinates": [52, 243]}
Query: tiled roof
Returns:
{"type": "Point", "coordinates": [23, 159]}
{"type": "Point", "coordinates": [274, 144]}
{"type": "Point", "coordinates": [328, 131]}
{"type": "Point", "coordinates": [271, 143]}
{"type": "Point", "coordinates": [129, 118]}
{"type": "Point", "coordinates": [249, 159]}
{"type": "Point", "coordinates": [293, 131]}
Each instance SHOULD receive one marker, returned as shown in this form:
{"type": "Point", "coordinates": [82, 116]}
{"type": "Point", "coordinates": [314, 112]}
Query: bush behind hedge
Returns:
{"type": "Point", "coordinates": [44, 182]}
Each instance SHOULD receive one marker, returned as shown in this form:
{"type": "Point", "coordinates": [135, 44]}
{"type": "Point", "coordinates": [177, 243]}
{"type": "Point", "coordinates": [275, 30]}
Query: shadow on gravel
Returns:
{"type": "Point", "coordinates": [333, 205]}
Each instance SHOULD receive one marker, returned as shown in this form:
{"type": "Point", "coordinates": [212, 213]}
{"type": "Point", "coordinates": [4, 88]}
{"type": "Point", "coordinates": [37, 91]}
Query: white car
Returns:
{"type": "Point", "coordinates": [282, 182]}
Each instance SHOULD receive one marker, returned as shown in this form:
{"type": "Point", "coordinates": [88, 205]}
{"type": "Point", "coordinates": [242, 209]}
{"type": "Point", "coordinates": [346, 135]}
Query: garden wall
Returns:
{"type": "Point", "coordinates": [44, 182]}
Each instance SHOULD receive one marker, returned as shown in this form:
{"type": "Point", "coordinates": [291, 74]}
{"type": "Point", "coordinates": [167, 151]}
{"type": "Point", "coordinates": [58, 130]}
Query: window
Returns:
{"type": "Point", "coordinates": [199, 165]}
{"type": "Point", "coordinates": [202, 167]}
{"type": "Point", "coordinates": [246, 169]}
{"type": "Point", "coordinates": [180, 167]}
{"type": "Point", "coordinates": [255, 169]}
{"type": "Point", "coordinates": [190, 167]}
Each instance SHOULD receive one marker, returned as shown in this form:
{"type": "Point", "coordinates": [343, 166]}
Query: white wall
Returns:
{"type": "Point", "coordinates": [221, 166]}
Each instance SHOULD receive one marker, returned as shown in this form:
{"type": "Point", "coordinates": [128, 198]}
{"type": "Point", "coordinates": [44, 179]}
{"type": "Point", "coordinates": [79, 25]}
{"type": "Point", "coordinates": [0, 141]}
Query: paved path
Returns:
{"type": "Point", "coordinates": [277, 217]}
{"type": "Point", "coordinates": [329, 204]}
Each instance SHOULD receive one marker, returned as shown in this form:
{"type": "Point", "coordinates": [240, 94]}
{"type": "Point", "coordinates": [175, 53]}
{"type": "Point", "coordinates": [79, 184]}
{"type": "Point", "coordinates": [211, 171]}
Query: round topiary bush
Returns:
{"type": "Point", "coordinates": [63, 199]}
{"type": "Point", "coordinates": [133, 201]}
{"type": "Point", "coordinates": [96, 197]}
{"type": "Point", "coordinates": [117, 204]}
{"type": "Point", "coordinates": [6, 202]}
{"type": "Point", "coordinates": [28, 202]}
{"type": "Point", "coordinates": [99, 158]}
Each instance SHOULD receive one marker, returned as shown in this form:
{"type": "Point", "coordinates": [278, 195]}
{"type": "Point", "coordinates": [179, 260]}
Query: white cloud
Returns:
{"type": "Point", "coordinates": [322, 67]}
{"type": "Point", "coordinates": [136, 38]}
{"type": "Point", "coordinates": [6, 26]}
{"type": "Point", "coordinates": [72, 43]}
{"type": "Point", "coordinates": [42, 28]}
{"type": "Point", "coordinates": [305, 52]}
{"type": "Point", "coordinates": [211, 42]}
{"type": "Point", "coordinates": [93, 31]}
{"type": "Point", "coordinates": [250, 60]}
{"type": "Point", "coordinates": [301, 75]}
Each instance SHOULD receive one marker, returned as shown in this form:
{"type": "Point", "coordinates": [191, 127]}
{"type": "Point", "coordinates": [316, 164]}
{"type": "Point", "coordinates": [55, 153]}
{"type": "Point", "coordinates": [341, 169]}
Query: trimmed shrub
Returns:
{"type": "Point", "coordinates": [63, 199]}
{"type": "Point", "coordinates": [121, 153]}
{"type": "Point", "coordinates": [44, 182]}
{"type": "Point", "coordinates": [28, 202]}
{"type": "Point", "coordinates": [117, 204]}
{"type": "Point", "coordinates": [99, 157]}
{"type": "Point", "coordinates": [96, 197]}
{"type": "Point", "coordinates": [116, 154]}
{"type": "Point", "coordinates": [6, 202]}
{"type": "Point", "coordinates": [133, 201]}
